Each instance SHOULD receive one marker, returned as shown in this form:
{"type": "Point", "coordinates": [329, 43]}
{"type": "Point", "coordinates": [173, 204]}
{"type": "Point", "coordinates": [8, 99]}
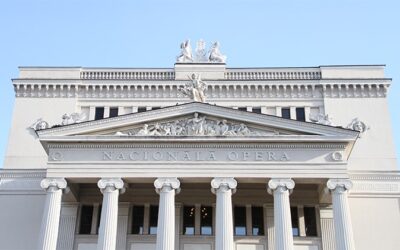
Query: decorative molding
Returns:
{"type": "Point", "coordinates": [280, 184]}
{"type": "Point", "coordinates": [22, 174]}
{"type": "Point", "coordinates": [114, 183]}
{"type": "Point", "coordinates": [229, 183]}
{"type": "Point", "coordinates": [215, 90]}
{"type": "Point", "coordinates": [273, 74]}
{"type": "Point", "coordinates": [340, 185]}
{"type": "Point", "coordinates": [57, 183]}
{"type": "Point", "coordinates": [327, 146]}
{"type": "Point", "coordinates": [173, 183]}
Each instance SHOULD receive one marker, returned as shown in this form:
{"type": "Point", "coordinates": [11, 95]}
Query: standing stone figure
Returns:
{"type": "Point", "coordinates": [186, 52]}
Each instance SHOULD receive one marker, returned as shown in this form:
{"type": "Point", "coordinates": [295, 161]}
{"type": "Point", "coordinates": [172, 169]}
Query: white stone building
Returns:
{"type": "Point", "coordinates": [243, 158]}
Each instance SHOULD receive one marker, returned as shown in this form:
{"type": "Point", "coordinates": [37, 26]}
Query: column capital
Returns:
{"type": "Point", "coordinates": [339, 185]}
{"type": "Point", "coordinates": [228, 183]}
{"type": "Point", "coordinates": [55, 183]}
{"type": "Point", "coordinates": [172, 183]}
{"type": "Point", "coordinates": [111, 184]}
{"type": "Point", "coordinates": [280, 185]}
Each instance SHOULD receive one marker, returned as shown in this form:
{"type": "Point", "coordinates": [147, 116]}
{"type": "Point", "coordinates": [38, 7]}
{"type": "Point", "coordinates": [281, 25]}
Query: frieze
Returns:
{"type": "Point", "coordinates": [196, 126]}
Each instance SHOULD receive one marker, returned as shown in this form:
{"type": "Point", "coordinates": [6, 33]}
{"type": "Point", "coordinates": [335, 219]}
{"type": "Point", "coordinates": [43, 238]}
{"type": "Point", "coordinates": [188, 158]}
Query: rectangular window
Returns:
{"type": "Point", "coordinates": [286, 113]}
{"type": "Point", "coordinates": [99, 113]}
{"type": "Point", "coordinates": [141, 109]}
{"type": "Point", "coordinates": [295, 221]}
{"type": "Point", "coordinates": [206, 220]}
{"type": "Point", "coordinates": [113, 111]}
{"type": "Point", "coordinates": [153, 219]}
{"type": "Point", "coordinates": [155, 108]}
{"type": "Point", "coordinates": [242, 108]}
{"type": "Point", "coordinates": [137, 219]}
{"type": "Point", "coordinates": [188, 220]}
{"type": "Point", "coordinates": [240, 220]}
{"type": "Point", "coordinates": [86, 219]}
{"type": "Point", "coordinates": [300, 114]}
{"type": "Point", "coordinates": [257, 110]}
{"type": "Point", "coordinates": [257, 217]}
{"type": "Point", "coordinates": [310, 221]}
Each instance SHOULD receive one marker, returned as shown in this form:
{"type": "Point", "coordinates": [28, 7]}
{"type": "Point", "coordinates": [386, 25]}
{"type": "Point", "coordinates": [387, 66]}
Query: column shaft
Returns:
{"type": "Point", "coordinates": [166, 213]}
{"type": "Point", "coordinates": [51, 214]}
{"type": "Point", "coordinates": [282, 218]}
{"type": "Point", "coordinates": [341, 213]}
{"type": "Point", "coordinates": [109, 213]}
{"type": "Point", "coordinates": [222, 187]}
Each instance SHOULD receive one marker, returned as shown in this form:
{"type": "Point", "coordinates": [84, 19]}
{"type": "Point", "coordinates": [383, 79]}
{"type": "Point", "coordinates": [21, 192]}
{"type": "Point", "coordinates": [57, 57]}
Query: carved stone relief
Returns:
{"type": "Point", "coordinates": [358, 125]}
{"type": "Point", "coordinates": [195, 126]}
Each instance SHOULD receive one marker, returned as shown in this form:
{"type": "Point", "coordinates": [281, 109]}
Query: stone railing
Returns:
{"type": "Point", "coordinates": [127, 75]}
{"type": "Point", "coordinates": [271, 74]}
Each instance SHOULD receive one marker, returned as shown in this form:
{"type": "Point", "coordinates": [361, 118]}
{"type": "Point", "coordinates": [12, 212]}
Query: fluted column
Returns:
{"type": "Point", "coordinates": [166, 188]}
{"type": "Point", "coordinates": [341, 213]}
{"type": "Point", "coordinates": [280, 188]}
{"type": "Point", "coordinates": [111, 188]}
{"type": "Point", "coordinates": [223, 189]}
{"type": "Point", "coordinates": [51, 214]}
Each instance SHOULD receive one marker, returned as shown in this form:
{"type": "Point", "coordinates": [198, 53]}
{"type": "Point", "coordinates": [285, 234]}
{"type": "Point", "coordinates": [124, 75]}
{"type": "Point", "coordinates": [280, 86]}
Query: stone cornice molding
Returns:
{"type": "Point", "coordinates": [221, 89]}
{"type": "Point", "coordinates": [54, 184]}
{"type": "Point", "coordinates": [339, 185]}
{"type": "Point", "coordinates": [280, 185]}
{"type": "Point", "coordinates": [170, 183]}
{"type": "Point", "coordinates": [112, 184]}
{"type": "Point", "coordinates": [22, 173]}
{"type": "Point", "coordinates": [204, 109]}
{"type": "Point", "coordinates": [223, 182]}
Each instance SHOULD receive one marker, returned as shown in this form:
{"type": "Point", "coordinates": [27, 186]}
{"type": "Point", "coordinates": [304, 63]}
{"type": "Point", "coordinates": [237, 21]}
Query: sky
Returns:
{"type": "Point", "coordinates": [147, 33]}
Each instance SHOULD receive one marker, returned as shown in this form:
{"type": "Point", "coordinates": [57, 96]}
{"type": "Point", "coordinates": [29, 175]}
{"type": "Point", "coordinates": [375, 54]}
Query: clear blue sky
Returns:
{"type": "Point", "coordinates": [148, 33]}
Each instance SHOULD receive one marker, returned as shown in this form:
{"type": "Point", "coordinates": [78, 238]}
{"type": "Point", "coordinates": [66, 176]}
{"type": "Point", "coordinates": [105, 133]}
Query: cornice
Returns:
{"type": "Point", "coordinates": [205, 109]}
{"type": "Point", "coordinates": [22, 173]}
{"type": "Point", "coordinates": [219, 89]}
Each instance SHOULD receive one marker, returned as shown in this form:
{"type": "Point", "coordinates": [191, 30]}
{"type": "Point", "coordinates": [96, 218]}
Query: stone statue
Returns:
{"type": "Point", "coordinates": [196, 126]}
{"type": "Point", "coordinates": [73, 118]}
{"type": "Point", "coordinates": [215, 55]}
{"type": "Point", "coordinates": [321, 119]}
{"type": "Point", "coordinates": [358, 125]}
{"type": "Point", "coordinates": [201, 52]}
{"type": "Point", "coordinates": [39, 125]}
{"type": "Point", "coordinates": [195, 89]}
{"type": "Point", "coordinates": [186, 53]}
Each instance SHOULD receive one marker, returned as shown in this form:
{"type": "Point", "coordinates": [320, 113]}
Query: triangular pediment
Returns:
{"type": "Point", "coordinates": [197, 119]}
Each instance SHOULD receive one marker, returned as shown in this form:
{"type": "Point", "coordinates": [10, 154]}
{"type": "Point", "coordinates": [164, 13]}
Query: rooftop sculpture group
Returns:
{"type": "Point", "coordinates": [214, 55]}
{"type": "Point", "coordinates": [195, 89]}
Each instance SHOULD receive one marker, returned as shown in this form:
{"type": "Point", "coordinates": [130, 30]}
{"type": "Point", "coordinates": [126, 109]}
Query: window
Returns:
{"type": "Point", "coordinates": [86, 219]}
{"type": "Point", "coordinates": [286, 113]}
{"type": "Point", "coordinates": [155, 108]}
{"type": "Point", "coordinates": [295, 221]}
{"type": "Point", "coordinates": [257, 110]}
{"type": "Point", "coordinates": [310, 221]}
{"type": "Point", "coordinates": [99, 113]}
{"type": "Point", "coordinates": [206, 220]}
{"type": "Point", "coordinates": [242, 108]}
{"type": "Point", "coordinates": [113, 111]}
{"type": "Point", "coordinates": [300, 114]}
{"type": "Point", "coordinates": [141, 109]}
{"type": "Point", "coordinates": [257, 218]}
{"type": "Point", "coordinates": [98, 219]}
{"type": "Point", "coordinates": [188, 220]}
{"type": "Point", "coordinates": [240, 220]}
{"type": "Point", "coordinates": [137, 219]}
{"type": "Point", "coordinates": [153, 219]}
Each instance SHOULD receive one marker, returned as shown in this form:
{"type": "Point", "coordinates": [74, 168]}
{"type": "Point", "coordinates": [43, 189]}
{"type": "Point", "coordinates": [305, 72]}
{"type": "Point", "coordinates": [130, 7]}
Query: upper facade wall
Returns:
{"type": "Point", "coordinates": [50, 92]}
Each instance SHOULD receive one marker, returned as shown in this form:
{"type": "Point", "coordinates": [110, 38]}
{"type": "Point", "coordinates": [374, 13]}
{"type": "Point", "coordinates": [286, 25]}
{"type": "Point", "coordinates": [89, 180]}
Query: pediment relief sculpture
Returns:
{"type": "Point", "coordinates": [196, 126]}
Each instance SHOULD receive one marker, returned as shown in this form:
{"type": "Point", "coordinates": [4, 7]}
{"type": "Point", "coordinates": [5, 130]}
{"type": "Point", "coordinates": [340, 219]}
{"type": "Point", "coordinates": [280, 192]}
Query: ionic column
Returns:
{"type": "Point", "coordinates": [166, 188]}
{"type": "Point", "coordinates": [280, 188]}
{"type": "Point", "coordinates": [341, 213]}
{"type": "Point", "coordinates": [51, 214]}
{"type": "Point", "coordinates": [111, 188]}
{"type": "Point", "coordinates": [223, 189]}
